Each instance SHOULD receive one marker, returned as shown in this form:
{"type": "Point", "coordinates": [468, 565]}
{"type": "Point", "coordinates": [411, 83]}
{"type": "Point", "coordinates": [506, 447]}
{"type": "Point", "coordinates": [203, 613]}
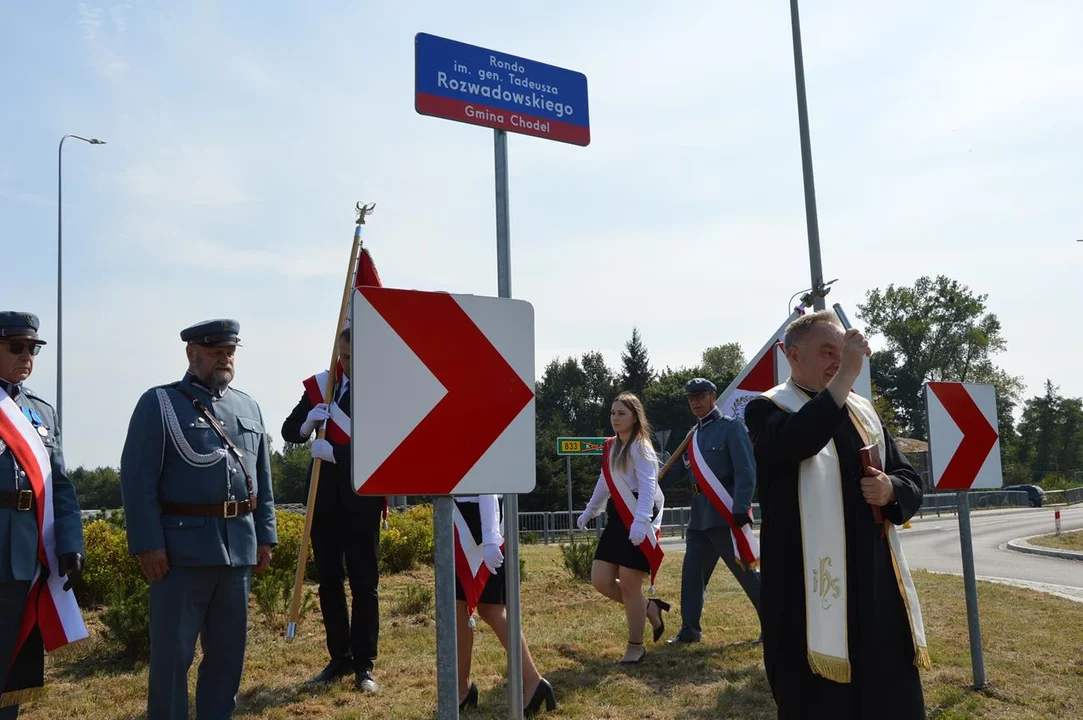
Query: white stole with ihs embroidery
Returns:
{"type": "Point", "coordinates": [823, 542]}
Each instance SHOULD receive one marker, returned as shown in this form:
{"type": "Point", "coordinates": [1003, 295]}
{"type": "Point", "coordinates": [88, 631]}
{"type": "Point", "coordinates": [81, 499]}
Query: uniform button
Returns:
{"type": "Point", "coordinates": [180, 524]}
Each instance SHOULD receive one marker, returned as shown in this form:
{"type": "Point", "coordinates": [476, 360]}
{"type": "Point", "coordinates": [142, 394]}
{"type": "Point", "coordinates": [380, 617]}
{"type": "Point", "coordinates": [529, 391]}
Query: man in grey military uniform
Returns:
{"type": "Point", "coordinates": [24, 675]}
{"type": "Point", "coordinates": [199, 507]}
{"type": "Point", "coordinates": [727, 449]}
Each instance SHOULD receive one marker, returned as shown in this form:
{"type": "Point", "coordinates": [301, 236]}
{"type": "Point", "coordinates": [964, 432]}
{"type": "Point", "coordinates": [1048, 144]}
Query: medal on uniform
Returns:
{"type": "Point", "coordinates": [3, 446]}
{"type": "Point", "coordinates": [43, 431]}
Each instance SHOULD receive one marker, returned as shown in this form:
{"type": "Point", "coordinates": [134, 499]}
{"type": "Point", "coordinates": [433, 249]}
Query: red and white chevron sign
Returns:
{"type": "Point", "coordinates": [442, 393]}
{"type": "Point", "coordinates": [964, 445]}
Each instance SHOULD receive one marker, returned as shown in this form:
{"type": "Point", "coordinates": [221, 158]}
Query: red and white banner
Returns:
{"type": "Point", "coordinates": [624, 501]}
{"type": "Point", "coordinates": [53, 609]}
{"type": "Point", "coordinates": [470, 567]}
{"type": "Point", "coordinates": [746, 547]}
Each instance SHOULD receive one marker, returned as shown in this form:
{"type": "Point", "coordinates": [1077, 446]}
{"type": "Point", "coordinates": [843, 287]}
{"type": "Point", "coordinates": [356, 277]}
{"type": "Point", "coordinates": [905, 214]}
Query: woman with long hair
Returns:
{"type": "Point", "coordinates": [620, 566]}
{"type": "Point", "coordinates": [481, 515]}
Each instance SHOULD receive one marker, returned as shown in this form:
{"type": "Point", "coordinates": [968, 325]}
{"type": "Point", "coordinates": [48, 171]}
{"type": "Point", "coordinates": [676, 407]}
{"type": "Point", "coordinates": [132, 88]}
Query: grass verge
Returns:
{"type": "Point", "coordinates": [1033, 658]}
{"type": "Point", "coordinates": [1064, 541]}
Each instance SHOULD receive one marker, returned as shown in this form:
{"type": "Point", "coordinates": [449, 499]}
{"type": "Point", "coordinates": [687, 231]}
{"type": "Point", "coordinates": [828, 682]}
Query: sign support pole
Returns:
{"type": "Point", "coordinates": [447, 663]}
{"type": "Point", "coordinates": [970, 583]}
{"type": "Point", "coordinates": [571, 510]}
{"type": "Point", "coordinates": [511, 500]}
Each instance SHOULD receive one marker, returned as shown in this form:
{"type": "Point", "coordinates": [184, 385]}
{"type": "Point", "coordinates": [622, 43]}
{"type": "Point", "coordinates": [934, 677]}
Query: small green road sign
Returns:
{"type": "Point", "coordinates": [580, 445]}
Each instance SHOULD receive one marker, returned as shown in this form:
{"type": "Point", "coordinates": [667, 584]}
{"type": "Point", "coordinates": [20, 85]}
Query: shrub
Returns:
{"type": "Point", "coordinates": [578, 557]}
{"type": "Point", "coordinates": [416, 600]}
{"type": "Point", "coordinates": [290, 527]}
{"type": "Point", "coordinates": [127, 621]}
{"type": "Point", "coordinates": [407, 541]}
{"type": "Point", "coordinates": [1055, 481]}
{"type": "Point", "coordinates": [110, 570]}
{"type": "Point", "coordinates": [273, 591]}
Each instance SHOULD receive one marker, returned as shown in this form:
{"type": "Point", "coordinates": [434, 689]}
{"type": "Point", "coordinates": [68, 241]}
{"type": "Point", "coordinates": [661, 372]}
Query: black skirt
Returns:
{"type": "Point", "coordinates": [614, 546]}
{"type": "Point", "coordinates": [495, 592]}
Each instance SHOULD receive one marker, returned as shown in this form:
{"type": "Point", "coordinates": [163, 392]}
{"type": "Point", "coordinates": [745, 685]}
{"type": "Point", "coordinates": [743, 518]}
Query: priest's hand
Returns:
{"type": "Point", "coordinates": [154, 564]}
{"type": "Point", "coordinates": [741, 519]}
{"type": "Point", "coordinates": [855, 348]}
{"type": "Point", "coordinates": [877, 488]}
{"type": "Point", "coordinates": [70, 565]}
{"type": "Point", "coordinates": [638, 532]}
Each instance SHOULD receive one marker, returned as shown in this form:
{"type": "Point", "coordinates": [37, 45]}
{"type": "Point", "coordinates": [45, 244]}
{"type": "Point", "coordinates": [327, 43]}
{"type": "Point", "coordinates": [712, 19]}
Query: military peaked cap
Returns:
{"type": "Point", "coordinates": [699, 385]}
{"type": "Point", "coordinates": [213, 333]}
{"type": "Point", "coordinates": [16, 325]}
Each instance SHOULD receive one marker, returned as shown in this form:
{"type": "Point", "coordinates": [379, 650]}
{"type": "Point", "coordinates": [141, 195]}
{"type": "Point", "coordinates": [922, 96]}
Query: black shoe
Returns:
{"type": "Point", "coordinates": [335, 669]}
{"type": "Point", "coordinates": [543, 693]}
{"type": "Point", "coordinates": [471, 699]}
{"type": "Point", "coordinates": [683, 638]}
{"type": "Point", "coordinates": [662, 606]}
{"type": "Point", "coordinates": [363, 681]}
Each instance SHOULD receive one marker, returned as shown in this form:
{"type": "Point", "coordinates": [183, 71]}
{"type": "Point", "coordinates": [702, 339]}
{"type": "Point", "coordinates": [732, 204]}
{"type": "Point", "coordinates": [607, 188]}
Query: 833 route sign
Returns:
{"type": "Point", "coordinates": [580, 445]}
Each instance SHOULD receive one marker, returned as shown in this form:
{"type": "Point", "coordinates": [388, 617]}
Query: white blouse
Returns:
{"type": "Point", "coordinates": [641, 475]}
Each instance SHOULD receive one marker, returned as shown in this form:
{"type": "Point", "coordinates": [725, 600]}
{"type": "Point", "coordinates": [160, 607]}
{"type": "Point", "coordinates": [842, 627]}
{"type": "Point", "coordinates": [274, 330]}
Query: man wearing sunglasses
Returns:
{"type": "Point", "coordinates": [195, 475]}
{"type": "Point", "coordinates": [22, 666]}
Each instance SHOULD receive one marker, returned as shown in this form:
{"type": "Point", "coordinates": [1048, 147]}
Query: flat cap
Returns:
{"type": "Point", "coordinates": [699, 385]}
{"type": "Point", "coordinates": [213, 333]}
{"type": "Point", "coordinates": [19, 325]}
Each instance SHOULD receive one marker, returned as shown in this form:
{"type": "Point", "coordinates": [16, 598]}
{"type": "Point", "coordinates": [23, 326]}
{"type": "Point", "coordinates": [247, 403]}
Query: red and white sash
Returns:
{"type": "Point", "coordinates": [53, 609]}
{"type": "Point", "coordinates": [338, 425]}
{"type": "Point", "coordinates": [470, 567]}
{"type": "Point", "coordinates": [746, 547]}
{"type": "Point", "coordinates": [625, 500]}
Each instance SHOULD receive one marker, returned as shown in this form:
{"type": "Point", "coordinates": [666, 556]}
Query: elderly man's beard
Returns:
{"type": "Point", "coordinates": [219, 378]}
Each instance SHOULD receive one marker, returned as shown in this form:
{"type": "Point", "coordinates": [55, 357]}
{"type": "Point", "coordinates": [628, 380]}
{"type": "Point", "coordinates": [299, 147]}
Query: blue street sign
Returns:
{"type": "Point", "coordinates": [469, 84]}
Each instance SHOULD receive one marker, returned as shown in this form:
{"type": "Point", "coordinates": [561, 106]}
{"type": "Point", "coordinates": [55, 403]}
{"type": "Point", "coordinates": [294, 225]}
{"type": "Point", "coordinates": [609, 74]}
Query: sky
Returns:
{"type": "Point", "coordinates": [946, 139]}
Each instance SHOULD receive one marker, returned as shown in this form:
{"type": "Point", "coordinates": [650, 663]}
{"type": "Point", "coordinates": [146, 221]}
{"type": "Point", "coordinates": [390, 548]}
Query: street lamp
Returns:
{"type": "Point", "coordinates": [59, 274]}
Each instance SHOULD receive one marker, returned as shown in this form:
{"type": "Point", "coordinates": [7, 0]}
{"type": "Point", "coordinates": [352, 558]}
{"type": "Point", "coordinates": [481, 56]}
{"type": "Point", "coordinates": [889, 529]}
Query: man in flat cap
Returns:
{"type": "Point", "coordinates": [32, 479]}
{"type": "Point", "coordinates": [723, 473]}
{"type": "Point", "coordinates": [196, 480]}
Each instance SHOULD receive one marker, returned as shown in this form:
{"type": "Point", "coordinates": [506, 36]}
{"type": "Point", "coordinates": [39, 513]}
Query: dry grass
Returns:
{"type": "Point", "coordinates": [1033, 657]}
{"type": "Point", "coordinates": [1064, 541]}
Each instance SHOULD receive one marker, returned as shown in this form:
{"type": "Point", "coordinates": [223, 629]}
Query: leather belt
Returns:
{"type": "Point", "coordinates": [227, 509]}
{"type": "Point", "coordinates": [20, 500]}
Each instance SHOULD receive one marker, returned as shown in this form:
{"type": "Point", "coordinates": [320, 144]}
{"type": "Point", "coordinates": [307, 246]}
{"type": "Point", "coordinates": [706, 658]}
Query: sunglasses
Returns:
{"type": "Point", "coordinates": [17, 348]}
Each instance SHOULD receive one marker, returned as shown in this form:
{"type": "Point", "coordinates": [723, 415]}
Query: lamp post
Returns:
{"type": "Point", "coordinates": [815, 263]}
{"type": "Point", "coordinates": [59, 272]}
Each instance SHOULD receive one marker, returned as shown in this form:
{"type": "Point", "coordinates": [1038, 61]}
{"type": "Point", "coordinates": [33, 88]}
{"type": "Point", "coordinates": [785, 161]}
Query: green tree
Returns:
{"type": "Point", "coordinates": [290, 472]}
{"type": "Point", "coordinates": [97, 489]}
{"type": "Point", "coordinates": [1050, 434]}
{"type": "Point", "coordinates": [937, 329]}
{"type": "Point", "coordinates": [722, 363]}
{"type": "Point", "coordinates": [636, 373]}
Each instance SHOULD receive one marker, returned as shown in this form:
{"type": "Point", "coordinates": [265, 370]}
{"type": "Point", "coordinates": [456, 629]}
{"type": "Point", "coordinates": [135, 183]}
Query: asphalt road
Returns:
{"type": "Point", "coordinates": [932, 543]}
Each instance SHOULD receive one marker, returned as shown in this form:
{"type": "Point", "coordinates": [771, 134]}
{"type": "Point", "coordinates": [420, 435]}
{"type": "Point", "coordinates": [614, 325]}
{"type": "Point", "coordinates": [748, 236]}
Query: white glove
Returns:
{"type": "Point", "coordinates": [316, 415]}
{"type": "Point", "coordinates": [583, 521]}
{"type": "Point", "coordinates": [492, 557]}
{"type": "Point", "coordinates": [638, 532]}
{"type": "Point", "coordinates": [323, 450]}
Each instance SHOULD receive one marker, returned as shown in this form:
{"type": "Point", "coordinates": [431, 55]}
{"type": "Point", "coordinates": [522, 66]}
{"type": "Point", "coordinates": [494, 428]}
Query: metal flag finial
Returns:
{"type": "Point", "coordinates": [364, 211]}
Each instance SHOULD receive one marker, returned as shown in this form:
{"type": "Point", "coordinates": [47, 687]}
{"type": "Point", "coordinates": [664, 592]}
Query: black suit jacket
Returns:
{"type": "Point", "coordinates": [335, 488]}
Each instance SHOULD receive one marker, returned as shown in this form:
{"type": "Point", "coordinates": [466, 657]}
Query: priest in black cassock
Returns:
{"type": "Point", "coordinates": [842, 630]}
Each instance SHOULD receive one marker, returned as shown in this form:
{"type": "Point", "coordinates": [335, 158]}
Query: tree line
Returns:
{"type": "Point", "coordinates": [935, 329]}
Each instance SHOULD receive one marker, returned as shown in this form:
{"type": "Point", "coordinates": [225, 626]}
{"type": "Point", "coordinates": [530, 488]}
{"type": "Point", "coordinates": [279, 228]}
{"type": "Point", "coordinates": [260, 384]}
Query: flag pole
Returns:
{"type": "Point", "coordinates": [302, 559]}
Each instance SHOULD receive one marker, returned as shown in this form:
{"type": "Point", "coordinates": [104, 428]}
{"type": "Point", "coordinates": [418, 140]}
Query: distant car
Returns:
{"type": "Point", "coordinates": [1034, 493]}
